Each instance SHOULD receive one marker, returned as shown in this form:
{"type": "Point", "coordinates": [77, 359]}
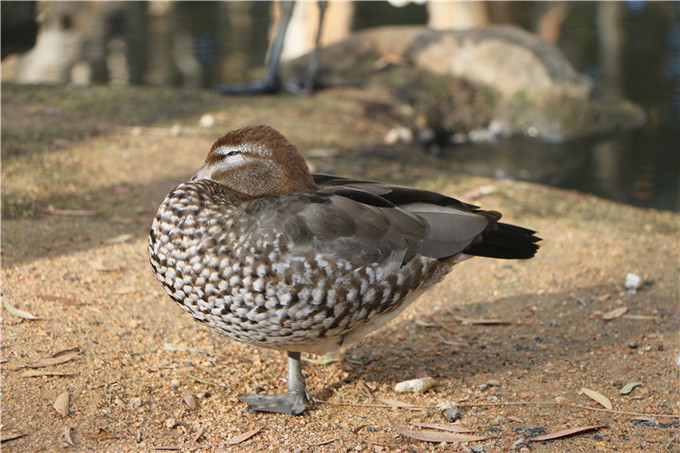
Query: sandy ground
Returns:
{"type": "Point", "coordinates": [144, 375]}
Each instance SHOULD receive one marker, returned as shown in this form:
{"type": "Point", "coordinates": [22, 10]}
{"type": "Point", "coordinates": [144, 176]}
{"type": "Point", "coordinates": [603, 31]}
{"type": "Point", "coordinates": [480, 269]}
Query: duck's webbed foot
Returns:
{"type": "Point", "coordinates": [294, 402]}
{"type": "Point", "coordinates": [287, 403]}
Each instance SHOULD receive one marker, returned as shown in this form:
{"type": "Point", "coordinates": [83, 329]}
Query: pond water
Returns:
{"type": "Point", "coordinates": [640, 167]}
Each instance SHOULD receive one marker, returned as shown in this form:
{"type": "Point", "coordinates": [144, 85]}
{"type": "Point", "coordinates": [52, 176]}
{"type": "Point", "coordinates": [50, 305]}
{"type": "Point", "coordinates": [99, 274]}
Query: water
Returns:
{"type": "Point", "coordinates": [640, 167]}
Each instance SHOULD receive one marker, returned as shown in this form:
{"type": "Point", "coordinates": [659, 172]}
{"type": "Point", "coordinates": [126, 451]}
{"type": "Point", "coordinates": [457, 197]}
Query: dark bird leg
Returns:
{"type": "Point", "coordinates": [271, 82]}
{"type": "Point", "coordinates": [294, 402]}
{"type": "Point", "coordinates": [309, 83]}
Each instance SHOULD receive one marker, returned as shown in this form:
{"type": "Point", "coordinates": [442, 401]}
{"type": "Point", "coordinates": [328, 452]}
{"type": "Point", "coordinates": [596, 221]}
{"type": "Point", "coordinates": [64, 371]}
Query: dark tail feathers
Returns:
{"type": "Point", "coordinates": [506, 241]}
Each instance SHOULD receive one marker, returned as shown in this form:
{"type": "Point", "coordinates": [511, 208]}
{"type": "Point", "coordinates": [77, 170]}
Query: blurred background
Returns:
{"type": "Point", "coordinates": [629, 50]}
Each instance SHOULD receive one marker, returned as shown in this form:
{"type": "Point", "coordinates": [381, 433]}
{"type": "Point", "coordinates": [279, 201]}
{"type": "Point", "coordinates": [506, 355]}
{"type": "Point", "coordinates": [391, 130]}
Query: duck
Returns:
{"type": "Point", "coordinates": [261, 250]}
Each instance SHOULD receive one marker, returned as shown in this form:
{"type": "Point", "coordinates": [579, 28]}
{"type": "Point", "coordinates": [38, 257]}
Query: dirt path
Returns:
{"type": "Point", "coordinates": [114, 154]}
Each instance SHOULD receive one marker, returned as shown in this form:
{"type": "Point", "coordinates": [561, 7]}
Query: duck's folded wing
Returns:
{"type": "Point", "coordinates": [364, 232]}
{"type": "Point", "coordinates": [454, 226]}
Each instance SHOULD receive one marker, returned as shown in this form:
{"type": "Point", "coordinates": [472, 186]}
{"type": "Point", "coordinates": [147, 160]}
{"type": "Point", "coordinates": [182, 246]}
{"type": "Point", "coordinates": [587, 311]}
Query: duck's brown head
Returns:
{"type": "Point", "coordinates": [257, 161]}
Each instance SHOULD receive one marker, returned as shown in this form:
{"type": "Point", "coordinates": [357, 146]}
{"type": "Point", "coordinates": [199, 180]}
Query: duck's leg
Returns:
{"type": "Point", "coordinates": [294, 402]}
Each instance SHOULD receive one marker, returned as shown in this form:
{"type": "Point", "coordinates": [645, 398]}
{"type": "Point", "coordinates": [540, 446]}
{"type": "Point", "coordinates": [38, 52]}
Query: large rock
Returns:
{"type": "Point", "coordinates": [455, 81]}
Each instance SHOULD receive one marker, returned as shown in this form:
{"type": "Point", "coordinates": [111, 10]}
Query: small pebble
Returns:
{"type": "Point", "coordinates": [633, 345]}
{"type": "Point", "coordinates": [136, 402]}
{"type": "Point", "coordinates": [190, 401]}
{"type": "Point", "coordinates": [633, 283]}
{"type": "Point", "coordinates": [176, 130]}
{"type": "Point", "coordinates": [452, 414]}
{"type": "Point", "coordinates": [420, 385]}
{"type": "Point", "coordinates": [174, 384]}
{"type": "Point", "coordinates": [171, 423]}
{"type": "Point", "coordinates": [207, 120]}
{"type": "Point", "coordinates": [477, 448]}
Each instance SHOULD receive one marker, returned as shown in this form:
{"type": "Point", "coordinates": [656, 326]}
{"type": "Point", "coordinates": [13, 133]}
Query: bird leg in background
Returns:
{"type": "Point", "coordinates": [271, 82]}
{"type": "Point", "coordinates": [294, 402]}
{"type": "Point", "coordinates": [309, 83]}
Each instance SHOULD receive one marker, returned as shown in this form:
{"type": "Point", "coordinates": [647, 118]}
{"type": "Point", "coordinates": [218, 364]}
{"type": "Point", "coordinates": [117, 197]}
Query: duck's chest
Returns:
{"type": "Point", "coordinates": [198, 248]}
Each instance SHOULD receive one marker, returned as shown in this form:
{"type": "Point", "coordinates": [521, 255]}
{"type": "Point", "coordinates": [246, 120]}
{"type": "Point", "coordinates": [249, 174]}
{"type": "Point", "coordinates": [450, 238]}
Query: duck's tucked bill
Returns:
{"type": "Point", "coordinates": [262, 251]}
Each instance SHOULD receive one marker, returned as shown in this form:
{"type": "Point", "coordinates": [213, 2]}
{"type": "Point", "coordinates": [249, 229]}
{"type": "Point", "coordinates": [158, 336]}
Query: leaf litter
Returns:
{"type": "Point", "coordinates": [240, 438]}
{"type": "Point", "coordinates": [57, 358]}
{"type": "Point", "coordinates": [67, 435]}
{"type": "Point", "coordinates": [436, 436]}
{"type": "Point", "coordinates": [565, 433]}
{"type": "Point", "coordinates": [62, 404]}
{"type": "Point", "coordinates": [18, 312]}
{"type": "Point", "coordinates": [615, 313]}
{"type": "Point", "coordinates": [598, 397]}
{"type": "Point", "coordinates": [626, 389]}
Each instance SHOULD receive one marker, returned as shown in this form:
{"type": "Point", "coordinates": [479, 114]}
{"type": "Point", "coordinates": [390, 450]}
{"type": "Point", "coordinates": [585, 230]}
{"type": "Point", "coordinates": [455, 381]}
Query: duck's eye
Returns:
{"type": "Point", "coordinates": [233, 153]}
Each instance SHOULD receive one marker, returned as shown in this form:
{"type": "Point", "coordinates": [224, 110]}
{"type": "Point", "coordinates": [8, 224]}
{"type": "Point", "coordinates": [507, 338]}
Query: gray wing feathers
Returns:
{"type": "Point", "coordinates": [343, 228]}
{"type": "Point", "coordinates": [451, 230]}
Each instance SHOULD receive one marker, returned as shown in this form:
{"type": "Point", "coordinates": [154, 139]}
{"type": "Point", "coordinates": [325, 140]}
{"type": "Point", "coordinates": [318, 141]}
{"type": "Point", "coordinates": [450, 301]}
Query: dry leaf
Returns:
{"type": "Point", "coordinates": [397, 404]}
{"type": "Point", "coordinates": [626, 389]}
{"type": "Point", "coordinates": [565, 433]}
{"type": "Point", "coordinates": [17, 312]}
{"type": "Point", "coordinates": [35, 373]}
{"type": "Point", "coordinates": [444, 427]}
{"type": "Point", "coordinates": [435, 436]}
{"type": "Point", "coordinates": [615, 313]}
{"type": "Point", "coordinates": [71, 212]}
{"type": "Point", "coordinates": [597, 396]}
{"type": "Point", "coordinates": [62, 403]}
{"type": "Point", "coordinates": [99, 435]}
{"type": "Point", "coordinates": [57, 358]}
{"type": "Point", "coordinates": [243, 437]}
{"type": "Point", "coordinates": [67, 436]}
{"type": "Point", "coordinates": [464, 320]}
